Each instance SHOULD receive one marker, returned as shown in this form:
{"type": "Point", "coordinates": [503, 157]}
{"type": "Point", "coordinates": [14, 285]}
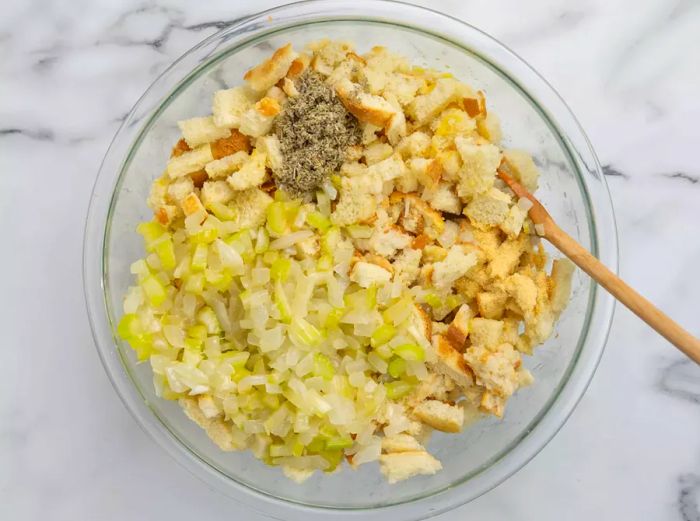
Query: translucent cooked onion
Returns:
{"type": "Point", "coordinates": [296, 358]}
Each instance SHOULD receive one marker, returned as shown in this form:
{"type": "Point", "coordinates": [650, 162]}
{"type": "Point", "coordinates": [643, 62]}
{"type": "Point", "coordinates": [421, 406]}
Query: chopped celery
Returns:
{"type": "Point", "coordinates": [166, 253]}
{"type": "Point", "coordinates": [316, 445]}
{"type": "Point", "coordinates": [330, 240]}
{"type": "Point", "coordinates": [154, 290]}
{"type": "Point", "coordinates": [382, 335]}
{"type": "Point", "coordinates": [397, 389]}
{"type": "Point", "coordinates": [276, 218]}
{"type": "Point", "coordinates": [198, 331]}
{"type": "Point", "coordinates": [199, 257]}
{"type": "Point", "coordinates": [205, 236]}
{"type": "Point", "coordinates": [280, 269]}
{"type": "Point", "coordinates": [223, 212]}
{"type": "Point", "coordinates": [282, 303]}
{"type": "Point", "coordinates": [239, 373]}
{"type": "Point", "coordinates": [304, 333]}
{"type": "Point", "coordinates": [410, 352]}
{"type": "Point", "coordinates": [262, 241]}
{"type": "Point", "coordinates": [372, 296]}
{"type": "Point", "coordinates": [128, 326]}
{"type": "Point", "coordinates": [318, 221]}
{"type": "Point", "coordinates": [241, 242]}
{"type": "Point", "coordinates": [237, 358]}
{"type": "Point", "coordinates": [333, 318]}
{"type": "Point", "coordinates": [323, 366]}
{"type": "Point", "coordinates": [384, 351]}
{"type": "Point", "coordinates": [150, 231]}
{"type": "Point", "coordinates": [297, 448]}
{"type": "Point", "coordinates": [433, 300]}
{"type": "Point", "coordinates": [338, 443]}
{"type": "Point", "coordinates": [399, 311]}
{"type": "Point", "coordinates": [193, 343]}
{"type": "Point", "coordinates": [397, 367]}
{"type": "Point", "coordinates": [333, 457]}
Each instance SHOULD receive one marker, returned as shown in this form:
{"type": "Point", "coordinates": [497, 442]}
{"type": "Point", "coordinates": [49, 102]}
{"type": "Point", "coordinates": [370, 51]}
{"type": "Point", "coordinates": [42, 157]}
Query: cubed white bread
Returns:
{"type": "Point", "coordinates": [451, 165]}
{"type": "Point", "coordinates": [221, 168]}
{"type": "Point", "coordinates": [485, 332]}
{"type": "Point", "coordinates": [208, 406]}
{"type": "Point", "coordinates": [507, 256]}
{"type": "Point", "coordinates": [396, 126]}
{"type": "Point", "coordinates": [270, 146]}
{"type": "Point", "coordinates": [400, 443]}
{"type": "Point", "coordinates": [369, 133]}
{"type": "Point", "coordinates": [403, 86]}
{"type": "Point", "coordinates": [443, 198]}
{"type": "Point", "coordinates": [455, 265]}
{"type": "Point", "coordinates": [251, 206]}
{"type": "Point", "coordinates": [158, 192]}
{"type": "Point", "coordinates": [407, 266]}
{"type": "Point", "coordinates": [198, 131]}
{"type": "Point", "coordinates": [513, 222]}
{"type": "Point", "coordinates": [489, 127]}
{"type": "Point", "coordinates": [403, 465]}
{"type": "Point", "coordinates": [366, 274]}
{"type": "Point", "coordinates": [479, 164]}
{"type": "Point", "coordinates": [229, 105]}
{"type": "Point", "coordinates": [251, 174]}
{"type": "Point", "coordinates": [179, 189]}
{"type": "Point", "coordinates": [424, 108]}
{"type": "Point", "coordinates": [522, 168]}
{"type": "Point", "coordinates": [459, 328]}
{"type": "Point", "coordinates": [451, 363]}
{"type": "Point", "coordinates": [353, 206]}
{"type": "Point", "coordinates": [189, 162]}
{"type": "Point", "coordinates": [416, 144]}
{"type": "Point", "coordinates": [495, 368]}
{"type": "Point", "coordinates": [191, 204]}
{"type": "Point", "coordinates": [488, 209]}
{"type": "Point", "coordinates": [297, 475]}
{"type": "Point", "coordinates": [272, 70]}
{"type": "Point", "coordinates": [255, 123]}
{"type": "Point", "coordinates": [331, 52]}
{"type": "Point", "coordinates": [366, 107]}
{"type": "Point", "coordinates": [522, 289]}
{"type": "Point", "coordinates": [562, 272]}
{"type": "Point", "coordinates": [377, 152]}
{"type": "Point", "coordinates": [219, 431]}
{"type": "Point", "coordinates": [289, 88]}
{"type": "Point", "coordinates": [386, 242]}
{"type": "Point", "coordinates": [216, 192]}
{"type": "Point", "coordinates": [439, 415]}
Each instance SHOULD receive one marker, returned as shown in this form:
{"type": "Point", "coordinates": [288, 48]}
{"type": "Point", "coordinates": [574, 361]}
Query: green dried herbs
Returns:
{"type": "Point", "coordinates": [314, 131]}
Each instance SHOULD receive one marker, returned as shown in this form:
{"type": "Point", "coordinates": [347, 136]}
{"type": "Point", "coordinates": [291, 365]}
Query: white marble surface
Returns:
{"type": "Point", "coordinates": [70, 70]}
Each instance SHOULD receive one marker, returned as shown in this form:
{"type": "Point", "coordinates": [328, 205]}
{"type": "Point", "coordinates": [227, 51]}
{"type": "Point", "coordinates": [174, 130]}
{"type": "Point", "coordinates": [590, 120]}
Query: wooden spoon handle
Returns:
{"type": "Point", "coordinates": [640, 306]}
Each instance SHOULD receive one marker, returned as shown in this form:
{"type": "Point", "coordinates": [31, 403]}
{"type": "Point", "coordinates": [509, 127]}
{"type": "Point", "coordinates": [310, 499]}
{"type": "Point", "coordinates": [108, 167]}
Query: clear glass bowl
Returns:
{"type": "Point", "coordinates": [533, 117]}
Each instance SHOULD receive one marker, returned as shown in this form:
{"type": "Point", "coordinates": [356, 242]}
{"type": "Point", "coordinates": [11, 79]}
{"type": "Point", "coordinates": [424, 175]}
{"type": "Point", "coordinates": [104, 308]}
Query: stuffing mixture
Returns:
{"type": "Point", "coordinates": [334, 269]}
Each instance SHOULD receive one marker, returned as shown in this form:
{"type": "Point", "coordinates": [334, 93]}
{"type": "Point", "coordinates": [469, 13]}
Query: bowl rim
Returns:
{"type": "Point", "coordinates": [573, 141]}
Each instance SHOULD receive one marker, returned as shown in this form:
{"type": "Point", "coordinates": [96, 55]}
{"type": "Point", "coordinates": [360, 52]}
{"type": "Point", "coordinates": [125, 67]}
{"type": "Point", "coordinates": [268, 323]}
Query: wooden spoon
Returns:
{"type": "Point", "coordinates": [640, 306]}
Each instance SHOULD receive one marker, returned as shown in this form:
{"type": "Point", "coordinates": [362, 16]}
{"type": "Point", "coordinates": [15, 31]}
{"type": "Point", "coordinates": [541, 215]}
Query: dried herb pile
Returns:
{"type": "Point", "coordinates": [314, 130]}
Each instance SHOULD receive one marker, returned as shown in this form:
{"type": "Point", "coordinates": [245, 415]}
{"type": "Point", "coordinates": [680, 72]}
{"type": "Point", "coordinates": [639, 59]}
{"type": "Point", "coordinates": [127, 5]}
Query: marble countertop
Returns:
{"type": "Point", "coordinates": [70, 71]}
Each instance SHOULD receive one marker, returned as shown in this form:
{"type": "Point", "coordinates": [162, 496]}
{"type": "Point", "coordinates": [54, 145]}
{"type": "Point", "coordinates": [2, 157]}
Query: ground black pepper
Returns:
{"type": "Point", "coordinates": [314, 131]}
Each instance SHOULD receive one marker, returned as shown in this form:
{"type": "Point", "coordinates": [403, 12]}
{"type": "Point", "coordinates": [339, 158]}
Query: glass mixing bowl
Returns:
{"type": "Point", "coordinates": [533, 118]}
